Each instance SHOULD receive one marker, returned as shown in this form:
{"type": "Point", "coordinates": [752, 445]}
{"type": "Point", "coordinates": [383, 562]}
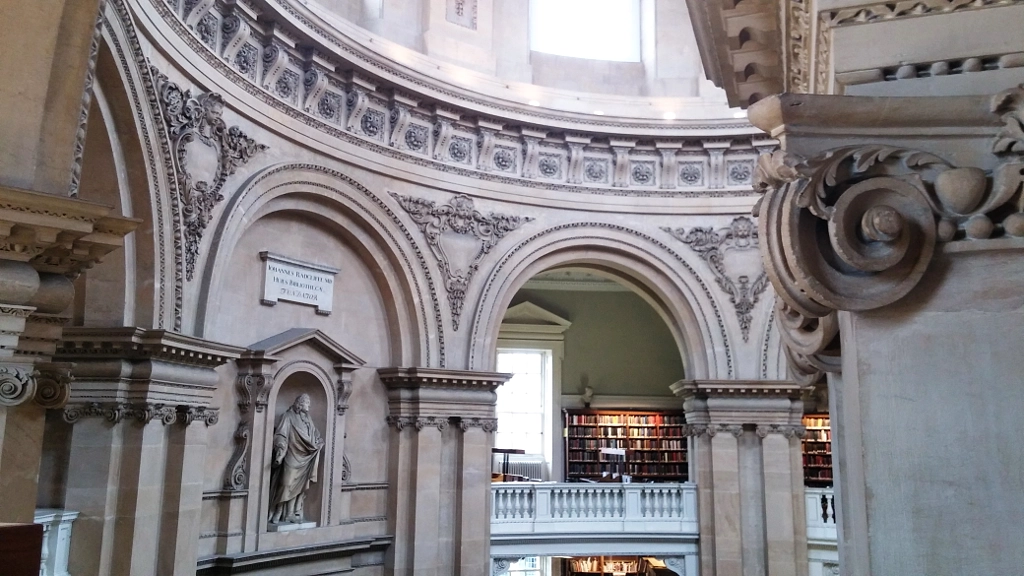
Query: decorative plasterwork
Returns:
{"type": "Point", "coordinates": [143, 413]}
{"type": "Point", "coordinates": [711, 245]}
{"type": "Point", "coordinates": [459, 217]}
{"type": "Point", "coordinates": [455, 150]}
{"type": "Point", "coordinates": [855, 228]}
{"type": "Point", "coordinates": [193, 120]}
{"type": "Point", "coordinates": [83, 115]}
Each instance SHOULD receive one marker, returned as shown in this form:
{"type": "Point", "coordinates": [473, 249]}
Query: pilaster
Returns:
{"type": "Point", "coordinates": [443, 426]}
{"type": "Point", "coordinates": [892, 230]}
{"type": "Point", "coordinates": [45, 240]}
{"type": "Point", "coordinates": [139, 407]}
{"type": "Point", "coordinates": [746, 450]}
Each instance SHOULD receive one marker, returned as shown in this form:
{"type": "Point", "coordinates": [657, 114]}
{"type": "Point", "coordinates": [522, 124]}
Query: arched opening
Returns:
{"type": "Point", "coordinates": [581, 338]}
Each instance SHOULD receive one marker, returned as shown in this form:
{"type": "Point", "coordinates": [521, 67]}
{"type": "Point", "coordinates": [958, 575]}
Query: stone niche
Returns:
{"type": "Point", "coordinates": [295, 384]}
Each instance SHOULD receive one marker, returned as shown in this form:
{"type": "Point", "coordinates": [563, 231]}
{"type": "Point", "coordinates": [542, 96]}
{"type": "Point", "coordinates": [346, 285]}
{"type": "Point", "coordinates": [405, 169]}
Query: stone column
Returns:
{"type": "Point", "coordinates": [139, 405]}
{"type": "Point", "coordinates": [893, 232]}
{"type": "Point", "coordinates": [439, 457]}
{"type": "Point", "coordinates": [746, 451]}
{"type": "Point", "coordinates": [44, 240]}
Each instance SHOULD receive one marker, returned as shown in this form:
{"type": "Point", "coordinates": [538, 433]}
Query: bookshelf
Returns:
{"type": "Point", "coordinates": [607, 565]}
{"type": "Point", "coordinates": [817, 450]}
{"type": "Point", "coordinates": [653, 443]}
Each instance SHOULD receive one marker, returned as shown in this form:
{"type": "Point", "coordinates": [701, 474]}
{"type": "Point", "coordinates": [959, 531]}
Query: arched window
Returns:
{"type": "Point", "coordinates": [595, 29]}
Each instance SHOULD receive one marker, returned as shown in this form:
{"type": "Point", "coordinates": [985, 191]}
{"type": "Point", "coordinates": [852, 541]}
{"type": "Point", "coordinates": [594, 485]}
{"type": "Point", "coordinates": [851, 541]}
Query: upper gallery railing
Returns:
{"type": "Point", "coordinates": [821, 514]}
{"type": "Point", "coordinates": [560, 508]}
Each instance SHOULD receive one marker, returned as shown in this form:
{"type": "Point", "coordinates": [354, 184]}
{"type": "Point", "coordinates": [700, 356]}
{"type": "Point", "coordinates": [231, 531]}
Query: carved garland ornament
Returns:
{"type": "Point", "coordinates": [191, 119]}
{"type": "Point", "coordinates": [855, 228]}
{"type": "Point", "coordinates": [711, 246]}
{"type": "Point", "coordinates": [460, 217]}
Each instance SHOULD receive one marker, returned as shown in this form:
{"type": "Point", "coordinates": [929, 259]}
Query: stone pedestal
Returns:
{"type": "Point", "coordinates": [749, 474]}
{"type": "Point", "coordinates": [898, 262]}
{"type": "Point", "coordinates": [140, 408]}
{"type": "Point", "coordinates": [443, 428]}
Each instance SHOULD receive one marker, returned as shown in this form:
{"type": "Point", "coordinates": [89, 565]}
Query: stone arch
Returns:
{"type": "Point", "coordinates": [125, 79]}
{"type": "Point", "coordinates": [649, 267]}
{"type": "Point", "coordinates": [358, 216]}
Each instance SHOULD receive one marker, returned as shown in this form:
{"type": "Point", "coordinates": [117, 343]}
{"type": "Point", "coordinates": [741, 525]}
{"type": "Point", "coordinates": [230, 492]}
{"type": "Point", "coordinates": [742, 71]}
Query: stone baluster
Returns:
{"type": "Point", "coordinates": [443, 426]}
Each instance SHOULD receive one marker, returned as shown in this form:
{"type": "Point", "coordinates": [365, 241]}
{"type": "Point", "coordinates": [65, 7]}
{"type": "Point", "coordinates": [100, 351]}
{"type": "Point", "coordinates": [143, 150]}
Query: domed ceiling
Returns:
{"type": "Point", "coordinates": [616, 58]}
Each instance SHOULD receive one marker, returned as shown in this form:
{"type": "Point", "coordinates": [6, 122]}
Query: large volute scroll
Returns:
{"type": "Point", "coordinates": [855, 228]}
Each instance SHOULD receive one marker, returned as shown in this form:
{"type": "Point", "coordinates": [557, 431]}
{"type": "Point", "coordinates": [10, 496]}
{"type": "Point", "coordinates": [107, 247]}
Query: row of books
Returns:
{"type": "Point", "coordinates": [816, 422]}
{"type": "Point", "coordinates": [636, 420]}
{"type": "Point", "coordinates": [818, 436]}
{"type": "Point", "coordinates": [816, 460]}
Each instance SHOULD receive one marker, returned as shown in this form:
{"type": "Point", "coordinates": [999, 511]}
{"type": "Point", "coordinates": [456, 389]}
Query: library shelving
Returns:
{"type": "Point", "coordinates": [817, 450]}
{"type": "Point", "coordinates": [648, 446]}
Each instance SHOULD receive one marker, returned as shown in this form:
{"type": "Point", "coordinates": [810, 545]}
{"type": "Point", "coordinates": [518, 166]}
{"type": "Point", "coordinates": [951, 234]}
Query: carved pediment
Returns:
{"type": "Point", "coordinates": [270, 348]}
{"type": "Point", "coordinates": [527, 317]}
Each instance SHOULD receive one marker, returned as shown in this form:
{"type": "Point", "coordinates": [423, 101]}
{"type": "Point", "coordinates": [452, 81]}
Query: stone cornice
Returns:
{"type": "Point", "coordinates": [130, 343]}
{"type": "Point", "coordinates": [57, 234]}
{"type": "Point", "coordinates": [738, 389]}
{"type": "Point", "coordinates": [418, 378]}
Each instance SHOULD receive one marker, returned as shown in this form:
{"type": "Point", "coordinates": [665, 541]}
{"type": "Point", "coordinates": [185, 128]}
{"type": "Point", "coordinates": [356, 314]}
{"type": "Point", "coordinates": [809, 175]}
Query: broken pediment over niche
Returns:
{"type": "Point", "coordinates": [528, 318]}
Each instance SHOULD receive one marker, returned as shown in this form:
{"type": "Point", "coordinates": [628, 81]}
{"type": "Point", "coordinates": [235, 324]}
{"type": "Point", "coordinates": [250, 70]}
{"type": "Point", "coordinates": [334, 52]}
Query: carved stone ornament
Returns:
{"type": "Point", "coordinates": [458, 217]}
{"type": "Point", "coordinates": [676, 564]}
{"type": "Point", "coordinates": [143, 413]}
{"type": "Point", "coordinates": [252, 388]}
{"type": "Point", "coordinates": [346, 468]}
{"type": "Point", "coordinates": [17, 385]}
{"type": "Point", "coordinates": [501, 565]}
{"type": "Point", "coordinates": [237, 477]}
{"type": "Point", "coordinates": [53, 385]}
{"type": "Point", "coordinates": [194, 120]}
{"type": "Point", "coordinates": [789, 431]}
{"type": "Point", "coordinates": [344, 393]}
{"type": "Point", "coordinates": [855, 228]}
{"type": "Point", "coordinates": [711, 246]}
{"type": "Point", "coordinates": [488, 425]}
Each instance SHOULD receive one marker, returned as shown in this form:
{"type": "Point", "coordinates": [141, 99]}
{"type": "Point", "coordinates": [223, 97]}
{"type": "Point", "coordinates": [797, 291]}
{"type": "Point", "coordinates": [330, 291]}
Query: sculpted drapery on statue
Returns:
{"type": "Point", "coordinates": [296, 460]}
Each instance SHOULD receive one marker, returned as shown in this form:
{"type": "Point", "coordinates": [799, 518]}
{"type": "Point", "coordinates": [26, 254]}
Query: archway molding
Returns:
{"type": "Point", "coordinates": [364, 222]}
{"type": "Point", "coordinates": [666, 280]}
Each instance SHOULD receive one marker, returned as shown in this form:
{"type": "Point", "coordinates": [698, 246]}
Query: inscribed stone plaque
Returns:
{"type": "Point", "coordinates": [296, 281]}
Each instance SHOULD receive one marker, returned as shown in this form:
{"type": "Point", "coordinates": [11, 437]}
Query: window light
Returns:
{"type": "Point", "coordinates": [594, 29]}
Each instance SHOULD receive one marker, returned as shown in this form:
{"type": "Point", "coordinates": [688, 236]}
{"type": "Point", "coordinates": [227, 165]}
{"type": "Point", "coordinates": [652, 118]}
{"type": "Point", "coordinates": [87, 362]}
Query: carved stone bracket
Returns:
{"type": "Point", "coordinates": [711, 245]}
{"type": "Point", "coordinates": [346, 468]}
{"type": "Point", "coordinates": [855, 228]}
{"type": "Point", "coordinates": [459, 217]}
{"type": "Point", "coordinates": [344, 393]}
{"type": "Point", "coordinates": [198, 119]}
{"type": "Point", "coordinates": [253, 389]}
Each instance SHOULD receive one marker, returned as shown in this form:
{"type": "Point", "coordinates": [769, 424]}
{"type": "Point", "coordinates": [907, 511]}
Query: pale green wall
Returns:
{"type": "Point", "coordinates": [616, 338]}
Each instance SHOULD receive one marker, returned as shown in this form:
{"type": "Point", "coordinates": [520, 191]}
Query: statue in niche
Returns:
{"type": "Point", "coordinates": [296, 459]}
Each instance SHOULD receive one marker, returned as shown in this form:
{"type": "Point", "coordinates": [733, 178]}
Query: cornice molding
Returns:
{"type": "Point", "coordinates": [406, 378]}
{"type": "Point", "coordinates": [129, 343]}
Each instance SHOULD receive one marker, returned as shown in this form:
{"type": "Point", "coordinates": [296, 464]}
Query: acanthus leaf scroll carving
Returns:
{"type": "Point", "coordinates": [711, 244]}
{"type": "Point", "coordinates": [237, 477]}
{"type": "Point", "coordinates": [198, 119]}
{"type": "Point", "coordinates": [17, 385]}
{"type": "Point", "coordinates": [252, 388]}
{"type": "Point", "coordinates": [488, 425]}
{"type": "Point", "coordinates": [459, 216]}
{"type": "Point", "coordinates": [346, 468]}
{"type": "Point", "coordinates": [855, 228]}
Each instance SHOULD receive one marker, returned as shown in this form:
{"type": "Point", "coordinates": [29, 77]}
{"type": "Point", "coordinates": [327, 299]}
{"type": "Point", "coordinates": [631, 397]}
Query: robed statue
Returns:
{"type": "Point", "coordinates": [297, 446]}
